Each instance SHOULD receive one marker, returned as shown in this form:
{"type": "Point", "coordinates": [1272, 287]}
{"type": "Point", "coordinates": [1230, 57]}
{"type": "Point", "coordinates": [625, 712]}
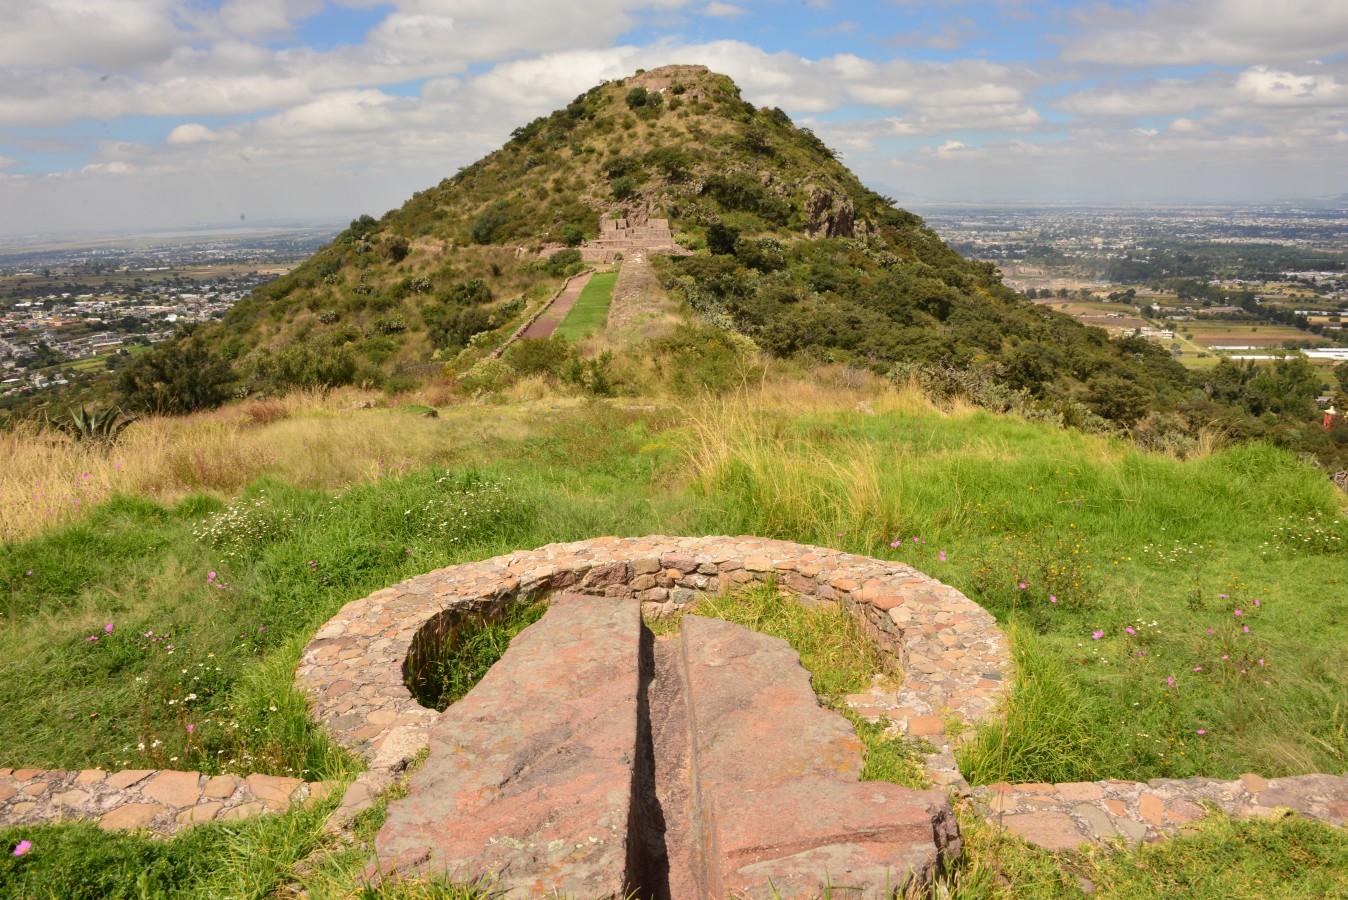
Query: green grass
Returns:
{"type": "Point", "coordinates": [1217, 858]}
{"type": "Point", "coordinates": [591, 310]}
{"type": "Point", "coordinates": [1120, 538]}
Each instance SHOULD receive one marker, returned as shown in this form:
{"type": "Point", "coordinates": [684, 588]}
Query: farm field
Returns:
{"type": "Point", "coordinates": [1209, 334]}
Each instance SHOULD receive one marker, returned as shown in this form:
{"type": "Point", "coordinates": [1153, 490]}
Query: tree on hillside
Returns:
{"type": "Point", "coordinates": [175, 378]}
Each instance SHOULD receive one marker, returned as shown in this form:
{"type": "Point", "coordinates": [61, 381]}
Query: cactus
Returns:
{"type": "Point", "coordinates": [102, 426]}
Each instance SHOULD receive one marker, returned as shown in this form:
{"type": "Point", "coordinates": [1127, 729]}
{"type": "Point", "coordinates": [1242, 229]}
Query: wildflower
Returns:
{"type": "Point", "coordinates": [1209, 631]}
{"type": "Point", "coordinates": [915, 540]}
{"type": "Point", "coordinates": [1261, 662]}
{"type": "Point", "coordinates": [1201, 731]}
{"type": "Point", "coordinates": [1096, 635]}
{"type": "Point", "coordinates": [23, 848]}
{"type": "Point", "coordinates": [210, 578]}
{"type": "Point", "coordinates": [1198, 668]}
{"type": "Point", "coordinates": [1170, 681]}
{"type": "Point", "coordinates": [1130, 630]}
{"type": "Point", "coordinates": [941, 556]}
{"type": "Point", "coordinates": [191, 728]}
{"type": "Point", "coordinates": [1023, 585]}
{"type": "Point", "coordinates": [1256, 602]}
{"type": "Point", "coordinates": [93, 638]}
{"type": "Point", "coordinates": [107, 629]}
{"type": "Point", "coordinates": [895, 544]}
{"type": "Point", "coordinates": [1052, 599]}
{"type": "Point", "coordinates": [1239, 613]}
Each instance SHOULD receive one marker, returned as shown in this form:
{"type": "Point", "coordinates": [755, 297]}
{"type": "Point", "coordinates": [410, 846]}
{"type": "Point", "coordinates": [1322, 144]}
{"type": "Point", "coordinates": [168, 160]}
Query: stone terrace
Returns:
{"type": "Point", "coordinates": [623, 236]}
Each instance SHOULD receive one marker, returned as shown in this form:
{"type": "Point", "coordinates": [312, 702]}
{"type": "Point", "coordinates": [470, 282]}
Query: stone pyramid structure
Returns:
{"type": "Point", "coordinates": [628, 238]}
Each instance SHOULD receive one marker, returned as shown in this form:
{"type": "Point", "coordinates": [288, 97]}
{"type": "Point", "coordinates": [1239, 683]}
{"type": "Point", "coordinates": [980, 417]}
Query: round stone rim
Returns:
{"type": "Point", "coordinates": [953, 657]}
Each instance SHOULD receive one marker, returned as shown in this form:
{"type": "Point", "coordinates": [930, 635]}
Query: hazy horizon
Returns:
{"type": "Point", "coordinates": [163, 114]}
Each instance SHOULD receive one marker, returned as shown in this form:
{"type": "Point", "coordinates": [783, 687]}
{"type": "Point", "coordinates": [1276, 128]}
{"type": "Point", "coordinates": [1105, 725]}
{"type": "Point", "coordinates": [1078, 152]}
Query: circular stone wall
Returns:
{"type": "Point", "coordinates": [951, 653]}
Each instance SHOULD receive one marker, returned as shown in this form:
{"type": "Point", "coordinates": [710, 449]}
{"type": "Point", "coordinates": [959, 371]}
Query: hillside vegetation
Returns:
{"type": "Point", "coordinates": [230, 556]}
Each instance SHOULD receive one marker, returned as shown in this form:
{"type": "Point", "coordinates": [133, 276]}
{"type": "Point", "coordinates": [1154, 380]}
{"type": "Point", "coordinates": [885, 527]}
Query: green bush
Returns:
{"type": "Point", "coordinates": [539, 356]}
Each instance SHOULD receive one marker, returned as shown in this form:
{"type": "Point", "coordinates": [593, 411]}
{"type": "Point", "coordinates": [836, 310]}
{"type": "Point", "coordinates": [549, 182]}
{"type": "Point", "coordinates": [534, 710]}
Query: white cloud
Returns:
{"type": "Point", "coordinates": [1228, 32]}
{"type": "Point", "coordinates": [97, 34]}
{"type": "Point", "coordinates": [723, 10]}
{"type": "Point", "coordinates": [193, 133]}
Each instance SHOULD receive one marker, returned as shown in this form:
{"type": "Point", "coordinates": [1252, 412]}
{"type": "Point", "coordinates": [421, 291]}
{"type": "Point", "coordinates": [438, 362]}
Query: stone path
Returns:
{"type": "Point", "coordinates": [1064, 816]}
{"type": "Point", "coordinates": [952, 656]}
{"type": "Point", "coordinates": [552, 777]}
{"type": "Point", "coordinates": [544, 310]}
{"type": "Point", "coordinates": [163, 801]}
{"type": "Point", "coordinates": [544, 325]}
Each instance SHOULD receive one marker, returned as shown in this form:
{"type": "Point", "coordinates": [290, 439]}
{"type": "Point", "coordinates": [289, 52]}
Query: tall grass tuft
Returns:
{"type": "Point", "coordinates": [1044, 732]}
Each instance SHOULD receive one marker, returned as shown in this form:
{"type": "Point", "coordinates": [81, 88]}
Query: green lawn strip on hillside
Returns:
{"type": "Point", "coordinates": [591, 310]}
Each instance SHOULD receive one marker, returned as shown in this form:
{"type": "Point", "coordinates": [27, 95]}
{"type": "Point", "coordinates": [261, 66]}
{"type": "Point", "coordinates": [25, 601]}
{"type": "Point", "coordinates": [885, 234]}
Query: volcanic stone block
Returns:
{"type": "Point", "coordinates": [777, 807]}
{"type": "Point", "coordinates": [530, 776]}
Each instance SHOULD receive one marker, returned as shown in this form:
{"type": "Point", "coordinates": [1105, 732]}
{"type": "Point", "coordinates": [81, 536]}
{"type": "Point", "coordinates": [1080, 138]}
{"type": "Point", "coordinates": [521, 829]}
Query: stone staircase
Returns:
{"type": "Point", "coordinates": [594, 760]}
{"type": "Point", "coordinates": [628, 238]}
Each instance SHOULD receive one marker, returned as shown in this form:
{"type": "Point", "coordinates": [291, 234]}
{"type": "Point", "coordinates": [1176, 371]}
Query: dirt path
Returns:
{"type": "Point", "coordinates": [548, 322]}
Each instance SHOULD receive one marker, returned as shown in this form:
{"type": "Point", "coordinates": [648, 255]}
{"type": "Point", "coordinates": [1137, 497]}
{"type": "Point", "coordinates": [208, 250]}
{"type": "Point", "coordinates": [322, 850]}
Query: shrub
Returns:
{"type": "Point", "coordinates": [539, 356]}
{"type": "Point", "coordinates": [175, 378]}
{"type": "Point", "coordinates": [487, 376]}
{"type": "Point", "coordinates": [395, 249]}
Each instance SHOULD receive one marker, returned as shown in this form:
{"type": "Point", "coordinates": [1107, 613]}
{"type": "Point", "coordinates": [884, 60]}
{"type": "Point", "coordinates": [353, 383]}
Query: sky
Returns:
{"type": "Point", "coordinates": [171, 113]}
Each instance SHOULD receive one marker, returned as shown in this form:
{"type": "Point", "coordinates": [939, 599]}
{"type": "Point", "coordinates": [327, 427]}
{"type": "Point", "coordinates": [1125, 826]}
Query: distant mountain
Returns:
{"type": "Point", "coordinates": [781, 243]}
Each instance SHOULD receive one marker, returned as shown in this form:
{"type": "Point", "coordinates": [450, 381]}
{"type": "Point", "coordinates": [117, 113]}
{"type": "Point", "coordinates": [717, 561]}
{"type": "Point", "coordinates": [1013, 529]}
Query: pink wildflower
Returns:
{"type": "Point", "coordinates": [23, 848]}
{"type": "Point", "coordinates": [1201, 731]}
{"type": "Point", "coordinates": [107, 629]}
{"type": "Point", "coordinates": [941, 556]}
{"type": "Point", "coordinates": [1052, 599]}
{"type": "Point", "coordinates": [191, 728]}
{"type": "Point", "coordinates": [1239, 613]}
{"type": "Point", "coordinates": [1023, 585]}
{"type": "Point", "coordinates": [1170, 681]}
{"type": "Point", "coordinates": [1096, 635]}
{"type": "Point", "coordinates": [1198, 668]}
{"type": "Point", "coordinates": [1130, 630]}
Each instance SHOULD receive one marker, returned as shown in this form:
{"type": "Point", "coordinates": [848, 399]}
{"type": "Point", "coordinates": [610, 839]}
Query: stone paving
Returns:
{"type": "Point", "coordinates": [643, 772]}
{"type": "Point", "coordinates": [952, 657]}
{"type": "Point", "coordinates": [951, 653]}
{"type": "Point", "coordinates": [1064, 816]}
{"type": "Point", "coordinates": [162, 801]}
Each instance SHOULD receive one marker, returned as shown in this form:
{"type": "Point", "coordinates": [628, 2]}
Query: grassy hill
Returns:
{"type": "Point", "coordinates": [791, 257]}
{"type": "Point", "coordinates": [299, 506]}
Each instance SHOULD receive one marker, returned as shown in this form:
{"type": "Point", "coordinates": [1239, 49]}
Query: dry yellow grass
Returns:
{"type": "Point", "coordinates": [308, 440]}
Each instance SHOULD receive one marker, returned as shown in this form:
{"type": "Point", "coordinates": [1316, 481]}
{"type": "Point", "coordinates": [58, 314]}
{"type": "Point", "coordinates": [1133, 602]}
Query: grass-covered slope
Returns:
{"type": "Point", "coordinates": [337, 502]}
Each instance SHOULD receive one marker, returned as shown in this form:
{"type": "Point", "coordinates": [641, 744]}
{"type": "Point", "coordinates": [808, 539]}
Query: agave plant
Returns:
{"type": "Point", "coordinates": [101, 426]}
